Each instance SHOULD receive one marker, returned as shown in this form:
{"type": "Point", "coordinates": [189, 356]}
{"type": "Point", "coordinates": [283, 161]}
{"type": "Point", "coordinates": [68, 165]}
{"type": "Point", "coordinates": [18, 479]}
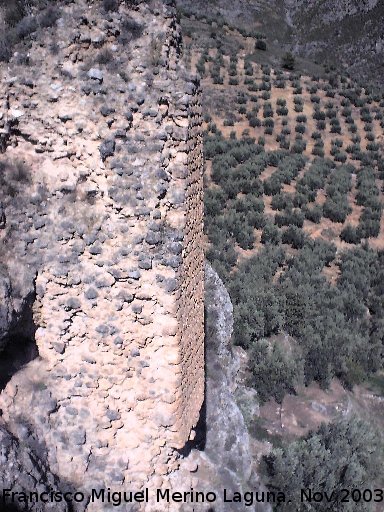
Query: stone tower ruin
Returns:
{"type": "Point", "coordinates": [107, 225]}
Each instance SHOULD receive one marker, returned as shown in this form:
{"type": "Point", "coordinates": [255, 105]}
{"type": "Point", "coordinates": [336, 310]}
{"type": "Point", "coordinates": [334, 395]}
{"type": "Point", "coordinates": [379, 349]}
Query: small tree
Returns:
{"type": "Point", "coordinates": [288, 61]}
{"type": "Point", "coordinates": [261, 45]}
{"type": "Point", "coordinates": [340, 455]}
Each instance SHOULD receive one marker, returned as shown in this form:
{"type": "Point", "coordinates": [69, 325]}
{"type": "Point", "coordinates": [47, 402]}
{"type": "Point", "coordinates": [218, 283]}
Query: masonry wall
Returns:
{"type": "Point", "coordinates": [111, 222]}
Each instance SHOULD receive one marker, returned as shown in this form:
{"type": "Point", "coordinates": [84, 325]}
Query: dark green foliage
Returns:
{"type": "Point", "coordinates": [129, 30]}
{"type": "Point", "coordinates": [26, 27]}
{"type": "Point", "coordinates": [272, 186]}
{"type": "Point", "coordinates": [49, 16]}
{"type": "Point", "coordinates": [269, 123]}
{"type": "Point", "coordinates": [274, 371]}
{"type": "Point", "coordinates": [318, 150]}
{"type": "Point", "coordinates": [241, 99]}
{"type": "Point", "coordinates": [340, 156]}
{"type": "Point", "coordinates": [299, 146]}
{"type": "Point", "coordinates": [288, 61]}
{"type": "Point", "coordinates": [290, 218]}
{"type": "Point", "coordinates": [267, 110]}
{"type": "Point", "coordinates": [315, 178]}
{"type": "Point", "coordinates": [254, 122]}
{"type": "Point", "coordinates": [257, 310]}
{"type": "Point", "coordinates": [369, 222]}
{"type": "Point", "coordinates": [19, 26]}
{"type": "Point", "coordinates": [367, 190]}
{"type": "Point", "coordinates": [315, 99]}
{"type": "Point", "coordinates": [338, 456]}
{"type": "Point", "coordinates": [14, 176]}
{"type": "Point", "coordinates": [281, 202]}
{"type": "Point", "coordinates": [319, 115]}
{"type": "Point", "coordinates": [261, 45]}
{"type": "Point", "coordinates": [271, 235]}
{"type": "Point", "coordinates": [321, 125]}
{"type": "Point", "coordinates": [14, 12]}
{"type": "Point", "coordinates": [350, 235]}
{"type": "Point", "coordinates": [301, 119]}
{"type": "Point", "coordinates": [336, 206]}
{"type": "Point", "coordinates": [273, 293]}
{"type": "Point", "coordinates": [294, 236]}
{"type": "Point", "coordinates": [282, 111]}
{"type": "Point", "coordinates": [314, 214]}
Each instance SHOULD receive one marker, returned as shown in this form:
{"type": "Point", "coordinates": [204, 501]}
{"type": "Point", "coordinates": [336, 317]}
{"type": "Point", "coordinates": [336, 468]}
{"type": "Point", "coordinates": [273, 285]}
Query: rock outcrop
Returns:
{"type": "Point", "coordinates": [222, 458]}
{"type": "Point", "coordinates": [23, 471]}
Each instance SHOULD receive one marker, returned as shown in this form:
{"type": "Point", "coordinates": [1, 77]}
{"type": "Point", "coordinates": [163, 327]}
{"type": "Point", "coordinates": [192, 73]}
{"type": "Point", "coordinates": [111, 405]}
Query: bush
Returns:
{"type": "Point", "coordinates": [254, 122]}
{"type": "Point", "coordinates": [49, 16]}
{"type": "Point", "coordinates": [318, 151]}
{"type": "Point", "coordinates": [350, 235]}
{"type": "Point", "coordinates": [271, 235]}
{"type": "Point", "coordinates": [274, 372]}
{"type": "Point", "coordinates": [290, 218]}
{"type": "Point", "coordinates": [314, 214]}
{"type": "Point", "coordinates": [294, 236]}
{"type": "Point", "coordinates": [321, 125]}
{"type": "Point", "coordinates": [282, 111]}
{"type": "Point", "coordinates": [336, 208]}
{"type": "Point", "coordinates": [130, 30]}
{"type": "Point", "coordinates": [13, 177]}
{"type": "Point", "coordinates": [111, 5]}
{"type": "Point", "coordinates": [340, 455]}
{"type": "Point", "coordinates": [261, 45]}
{"type": "Point", "coordinates": [26, 27]}
{"type": "Point", "coordinates": [319, 115]}
{"type": "Point", "coordinates": [300, 128]}
{"type": "Point", "coordinates": [272, 186]}
{"type": "Point", "coordinates": [288, 61]}
{"type": "Point", "coordinates": [281, 202]}
{"type": "Point", "coordinates": [14, 12]}
{"type": "Point", "coordinates": [299, 146]}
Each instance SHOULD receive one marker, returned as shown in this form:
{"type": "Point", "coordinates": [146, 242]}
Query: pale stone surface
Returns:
{"type": "Point", "coordinates": [111, 232]}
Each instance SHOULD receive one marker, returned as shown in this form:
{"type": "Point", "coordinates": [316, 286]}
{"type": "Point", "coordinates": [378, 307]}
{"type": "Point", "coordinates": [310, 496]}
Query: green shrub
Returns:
{"type": "Point", "coordinates": [271, 235]}
{"type": "Point", "coordinates": [341, 455]}
{"type": "Point", "coordinates": [274, 372]}
{"type": "Point", "coordinates": [288, 61]}
{"type": "Point", "coordinates": [261, 45]}
{"type": "Point", "coordinates": [314, 214]}
{"type": "Point", "coordinates": [294, 236]}
{"type": "Point", "coordinates": [350, 235]}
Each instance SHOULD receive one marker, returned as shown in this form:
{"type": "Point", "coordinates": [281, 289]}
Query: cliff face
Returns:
{"type": "Point", "coordinates": [222, 457]}
{"type": "Point", "coordinates": [102, 244]}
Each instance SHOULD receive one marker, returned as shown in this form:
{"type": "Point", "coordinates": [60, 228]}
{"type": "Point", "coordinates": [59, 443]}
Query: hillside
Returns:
{"type": "Point", "coordinates": [345, 34]}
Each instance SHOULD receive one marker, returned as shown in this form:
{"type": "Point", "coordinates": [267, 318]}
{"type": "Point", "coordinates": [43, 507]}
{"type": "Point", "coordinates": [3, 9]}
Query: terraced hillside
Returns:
{"type": "Point", "coordinates": [327, 123]}
{"type": "Point", "coordinates": [294, 226]}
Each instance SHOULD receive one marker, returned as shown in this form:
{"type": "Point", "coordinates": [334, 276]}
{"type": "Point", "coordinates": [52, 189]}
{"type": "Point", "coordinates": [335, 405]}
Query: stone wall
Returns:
{"type": "Point", "coordinates": [108, 224]}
